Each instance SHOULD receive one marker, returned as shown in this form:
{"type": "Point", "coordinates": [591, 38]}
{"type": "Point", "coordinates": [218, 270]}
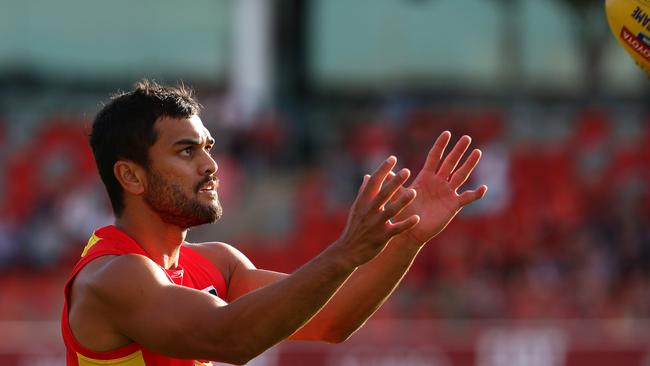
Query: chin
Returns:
{"type": "Point", "coordinates": [198, 215]}
{"type": "Point", "coordinates": [215, 212]}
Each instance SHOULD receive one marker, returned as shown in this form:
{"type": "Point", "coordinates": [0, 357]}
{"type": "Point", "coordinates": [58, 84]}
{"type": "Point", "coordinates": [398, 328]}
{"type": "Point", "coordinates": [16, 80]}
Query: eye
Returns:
{"type": "Point", "coordinates": [186, 151]}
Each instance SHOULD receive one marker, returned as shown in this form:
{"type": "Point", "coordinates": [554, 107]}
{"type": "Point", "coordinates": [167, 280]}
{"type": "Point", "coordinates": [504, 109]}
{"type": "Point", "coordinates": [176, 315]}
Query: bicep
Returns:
{"type": "Point", "coordinates": [246, 280]}
{"type": "Point", "coordinates": [245, 277]}
{"type": "Point", "coordinates": [173, 320]}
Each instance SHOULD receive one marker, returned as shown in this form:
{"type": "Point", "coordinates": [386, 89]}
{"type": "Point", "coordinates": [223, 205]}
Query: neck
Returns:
{"type": "Point", "coordinates": [161, 241]}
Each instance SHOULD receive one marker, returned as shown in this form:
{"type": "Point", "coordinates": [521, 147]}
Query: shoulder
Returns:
{"type": "Point", "coordinates": [118, 275]}
{"type": "Point", "coordinates": [105, 289]}
{"type": "Point", "coordinates": [224, 256]}
{"type": "Point", "coordinates": [218, 251]}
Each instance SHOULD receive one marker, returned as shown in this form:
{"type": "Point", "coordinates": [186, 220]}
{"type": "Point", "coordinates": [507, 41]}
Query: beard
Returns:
{"type": "Point", "coordinates": [175, 207]}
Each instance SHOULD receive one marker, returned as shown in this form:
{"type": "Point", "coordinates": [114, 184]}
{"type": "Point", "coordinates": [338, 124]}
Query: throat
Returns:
{"type": "Point", "coordinates": [161, 242]}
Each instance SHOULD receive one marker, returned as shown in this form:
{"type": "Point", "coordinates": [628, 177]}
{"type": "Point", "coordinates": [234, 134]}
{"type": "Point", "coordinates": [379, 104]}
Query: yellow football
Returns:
{"type": "Point", "coordinates": [629, 20]}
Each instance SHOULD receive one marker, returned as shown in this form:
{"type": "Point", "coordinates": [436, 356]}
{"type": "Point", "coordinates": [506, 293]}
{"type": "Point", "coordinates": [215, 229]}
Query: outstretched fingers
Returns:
{"type": "Point", "coordinates": [402, 226]}
{"type": "Point", "coordinates": [399, 202]}
{"type": "Point", "coordinates": [391, 199]}
{"type": "Point", "coordinates": [374, 183]}
{"type": "Point", "coordinates": [468, 197]}
{"type": "Point", "coordinates": [403, 199]}
{"type": "Point", "coordinates": [451, 160]}
{"type": "Point", "coordinates": [364, 183]}
{"type": "Point", "coordinates": [435, 154]}
{"type": "Point", "coordinates": [392, 184]}
{"type": "Point", "coordinates": [461, 174]}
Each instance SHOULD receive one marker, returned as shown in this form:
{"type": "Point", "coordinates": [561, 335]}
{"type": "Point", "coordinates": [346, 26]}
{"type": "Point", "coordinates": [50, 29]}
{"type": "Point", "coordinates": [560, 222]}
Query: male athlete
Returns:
{"type": "Point", "coordinates": [142, 295]}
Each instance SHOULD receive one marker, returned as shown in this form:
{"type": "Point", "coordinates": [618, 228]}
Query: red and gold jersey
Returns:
{"type": "Point", "coordinates": [193, 271]}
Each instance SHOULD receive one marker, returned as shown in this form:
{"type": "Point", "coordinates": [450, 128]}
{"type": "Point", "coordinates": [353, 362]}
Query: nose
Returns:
{"type": "Point", "coordinates": [209, 165]}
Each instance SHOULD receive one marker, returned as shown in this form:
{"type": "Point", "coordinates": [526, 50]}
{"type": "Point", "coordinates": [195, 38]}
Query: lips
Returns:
{"type": "Point", "coordinates": [210, 185]}
{"type": "Point", "coordinates": [207, 187]}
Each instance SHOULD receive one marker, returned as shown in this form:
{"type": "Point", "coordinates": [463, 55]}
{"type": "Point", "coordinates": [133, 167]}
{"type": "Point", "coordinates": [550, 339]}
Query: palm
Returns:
{"type": "Point", "coordinates": [436, 203]}
{"type": "Point", "coordinates": [437, 200]}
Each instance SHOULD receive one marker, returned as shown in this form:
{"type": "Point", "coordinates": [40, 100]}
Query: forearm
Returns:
{"type": "Point", "coordinates": [271, 314]}
{"type": "Point", "coordinates": [363, 293]}
{"type": "Point", "coordinates": [436, 204]}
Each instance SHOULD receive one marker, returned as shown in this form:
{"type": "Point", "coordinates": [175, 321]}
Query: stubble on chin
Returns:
{"type": "Point", "coordinates": [176, 208]}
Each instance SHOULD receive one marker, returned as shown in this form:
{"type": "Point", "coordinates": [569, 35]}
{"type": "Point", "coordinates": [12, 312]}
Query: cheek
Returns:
{"type": "Point", "coordinates": [177, 171]}
{"type": "Point", "coordinates": [167, 177]}
{"type": "Point", "coordinates": [180, 184]}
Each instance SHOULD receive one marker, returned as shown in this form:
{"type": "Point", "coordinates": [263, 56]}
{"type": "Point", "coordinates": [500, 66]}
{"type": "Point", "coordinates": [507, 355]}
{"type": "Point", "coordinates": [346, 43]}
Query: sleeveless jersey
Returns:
{"type": "Point", "coordinates": [193, 271]}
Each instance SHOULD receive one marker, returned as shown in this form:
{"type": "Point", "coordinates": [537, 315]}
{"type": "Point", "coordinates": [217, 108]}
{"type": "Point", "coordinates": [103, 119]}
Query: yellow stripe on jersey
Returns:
{"type": "Point", "coordinates": [92, 241]}
{"type": "Point", "coordinates": [134, 359]}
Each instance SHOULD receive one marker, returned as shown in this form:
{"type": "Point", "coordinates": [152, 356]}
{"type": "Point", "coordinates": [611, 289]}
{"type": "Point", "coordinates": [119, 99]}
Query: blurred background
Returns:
{"type": "Point", "coordinates": [303, 98]}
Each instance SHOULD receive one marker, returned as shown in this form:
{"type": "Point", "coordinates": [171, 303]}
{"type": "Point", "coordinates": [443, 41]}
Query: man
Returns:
{"type": "Point", "coordinates": [141, 295]}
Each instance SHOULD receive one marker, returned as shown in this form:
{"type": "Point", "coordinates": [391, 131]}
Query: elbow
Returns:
{"type": "Point", "coordinates": [238, 361]}
{"type": "Point", "coordinates": [337, 336]}
{"type": "Point", "coordinates": [242, 351]}
{"type": "Point", "coordinates": [239, 356]}
{"type": "Point", "coordinates": [336, 339]}
{"type": "Point", "coordinates": [235, 358]}
{"type": "Point", "coordinates": [331, 332]}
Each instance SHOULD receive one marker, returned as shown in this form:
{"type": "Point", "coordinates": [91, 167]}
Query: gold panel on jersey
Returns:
{"type": "Point", "coordinates": [92, 241]}
{"type": "Point", "coordinates": [134, 359]}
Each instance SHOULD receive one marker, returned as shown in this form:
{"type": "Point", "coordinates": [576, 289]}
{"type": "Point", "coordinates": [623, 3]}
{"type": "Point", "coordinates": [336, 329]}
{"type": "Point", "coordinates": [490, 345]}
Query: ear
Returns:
{"type": "Point", "coordinates": [130, 175]}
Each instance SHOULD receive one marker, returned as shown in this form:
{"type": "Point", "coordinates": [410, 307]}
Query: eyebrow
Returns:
{"type": "Point", "coordinates": [209, 141]}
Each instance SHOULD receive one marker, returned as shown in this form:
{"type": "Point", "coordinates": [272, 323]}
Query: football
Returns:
{"type": "Point", "coordinates": [629, 20]}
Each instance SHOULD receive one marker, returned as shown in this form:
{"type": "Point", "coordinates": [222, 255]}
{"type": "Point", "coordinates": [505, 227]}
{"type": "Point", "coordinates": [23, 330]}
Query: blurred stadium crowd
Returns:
{"type": "Point", "coordinates": [303, 98]}
{"type": "Point", "coordinates": [564, 232]}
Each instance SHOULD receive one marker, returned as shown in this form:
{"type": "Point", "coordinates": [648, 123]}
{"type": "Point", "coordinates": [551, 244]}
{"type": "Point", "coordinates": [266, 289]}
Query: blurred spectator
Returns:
{"type": "Point", "coordinates": [563, 233]}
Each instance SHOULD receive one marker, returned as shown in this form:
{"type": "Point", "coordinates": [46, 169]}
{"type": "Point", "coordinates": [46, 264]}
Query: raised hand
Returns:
{"type": "Point", "coordinates": [437, 184]}
{"type": "Point", "coordinates": [371, 224]}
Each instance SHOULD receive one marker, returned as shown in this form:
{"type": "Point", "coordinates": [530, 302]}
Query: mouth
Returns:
{"type": "Point", "coordinates": [209, 186]}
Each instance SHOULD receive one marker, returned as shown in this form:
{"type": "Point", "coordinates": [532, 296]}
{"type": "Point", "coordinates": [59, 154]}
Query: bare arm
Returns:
{"type": "Point", "coordinates": [139, 303]}
{"type": "Point", "coordinates": [372, 283]}
{"type": "Point", "coordinates": [437, 203]}
{"type": "Point", "coordinates": [361, 295]}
